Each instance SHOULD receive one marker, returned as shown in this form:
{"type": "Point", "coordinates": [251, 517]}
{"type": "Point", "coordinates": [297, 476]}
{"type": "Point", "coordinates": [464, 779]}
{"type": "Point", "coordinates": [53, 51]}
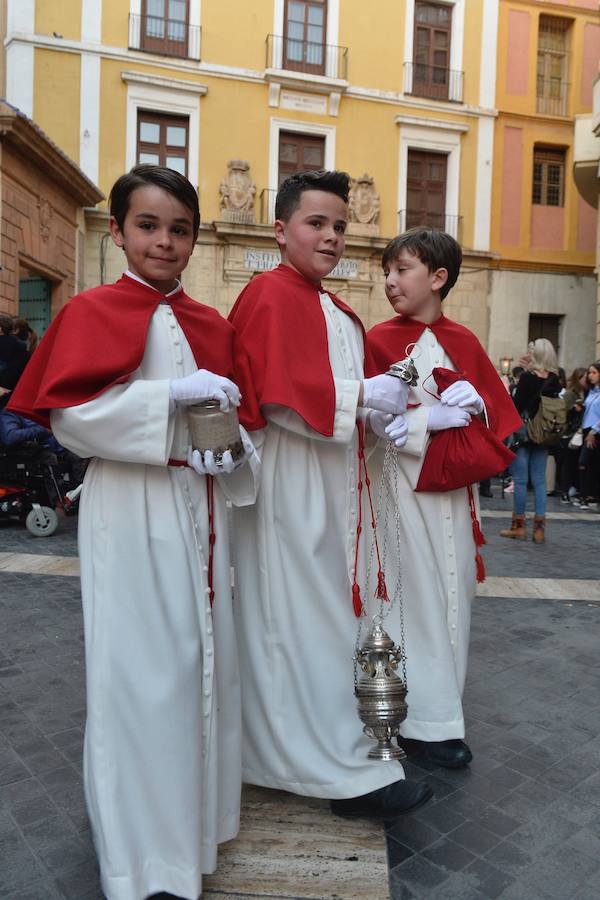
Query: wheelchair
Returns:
{"type": "Point", "coordinates": [33, 481]}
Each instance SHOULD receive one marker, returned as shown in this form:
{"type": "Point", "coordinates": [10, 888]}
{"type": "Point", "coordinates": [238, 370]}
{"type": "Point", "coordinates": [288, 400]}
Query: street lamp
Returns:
{"type": "Point", "coordinates": [505, 365]}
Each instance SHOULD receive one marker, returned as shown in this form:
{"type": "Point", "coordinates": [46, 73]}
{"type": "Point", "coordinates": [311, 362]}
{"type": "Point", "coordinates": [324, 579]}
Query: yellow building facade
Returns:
{"type": "Point", "coordinates": [410, 98]}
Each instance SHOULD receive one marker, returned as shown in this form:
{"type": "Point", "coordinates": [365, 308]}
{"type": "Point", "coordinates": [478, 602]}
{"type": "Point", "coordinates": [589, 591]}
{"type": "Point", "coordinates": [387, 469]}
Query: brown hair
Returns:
{"type": "Point", "coordinates": [291, 190]}
{"type": "Point", "coordinates": [140, 176]}
{"type": "Point", "coordinates": [435, 249]}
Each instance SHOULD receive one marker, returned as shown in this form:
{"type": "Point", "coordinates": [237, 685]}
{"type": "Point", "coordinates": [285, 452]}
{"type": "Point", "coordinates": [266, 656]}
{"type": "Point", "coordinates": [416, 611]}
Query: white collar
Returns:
{"type": "Point", "coordinates": [141, 281]}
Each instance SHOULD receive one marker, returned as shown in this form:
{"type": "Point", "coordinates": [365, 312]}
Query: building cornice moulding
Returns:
{"type": "Point", "coordinates": [171, 84]}
{"type": "Point", "coordinates": [437, 124]}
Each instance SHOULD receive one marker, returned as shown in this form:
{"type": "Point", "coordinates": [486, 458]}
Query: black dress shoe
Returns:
{"type": "Point", "coordinates": [452, 754]}
{"type": "Point", "coordinates": [385, 803]}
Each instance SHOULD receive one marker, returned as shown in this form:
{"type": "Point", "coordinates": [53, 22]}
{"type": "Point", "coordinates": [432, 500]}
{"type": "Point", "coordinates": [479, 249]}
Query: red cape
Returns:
{"type": "Point", "coordinates": [388, 341]}
{"type": "Point", "coordinates": [281, 351]}
{"type": "Point", "coordinates": [98, 339]}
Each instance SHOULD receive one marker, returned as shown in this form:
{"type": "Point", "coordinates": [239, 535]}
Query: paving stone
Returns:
{"type": "Point", "coordinates": [492, 882]}
{"type": "Point", "coordinates": [418, 874]}
{"type": "Point", "coordinates": [497, 822]}
{"type": "Point", "coordinates": [508, 857]}
{"type": "Point", "coordinates": [447, 854]}
{"type": "Point", "coordinates": [475, 837]}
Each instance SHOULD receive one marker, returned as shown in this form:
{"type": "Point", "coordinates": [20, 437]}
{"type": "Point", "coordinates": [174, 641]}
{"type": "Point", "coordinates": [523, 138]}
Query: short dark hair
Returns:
{"type": "Point", "coordinates": [141, 176]}
{"type": "Point", "coordinates": [435, 249]}
{"type": "Point", "coordinates": [6, 323]}
{"type": "Point", "coordinates": [291, 190]}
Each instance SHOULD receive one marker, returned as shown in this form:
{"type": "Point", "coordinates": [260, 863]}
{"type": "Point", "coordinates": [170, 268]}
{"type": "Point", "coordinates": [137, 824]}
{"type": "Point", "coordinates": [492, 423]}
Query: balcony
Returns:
{"type": "Point", "coordinates": [412, 218]}
{"type": "Point", "coordinates": [551, 96]}
{"type": "Point", "coordinates": [307, 58]}
{"type": "Point", "coordinates": [433, 82]}
{"type": "Point", "coordinates": [165, 37]}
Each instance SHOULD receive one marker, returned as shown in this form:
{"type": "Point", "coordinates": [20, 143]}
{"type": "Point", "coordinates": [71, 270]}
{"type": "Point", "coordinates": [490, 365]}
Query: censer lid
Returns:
{"type": "Point", "coordinates": [378, 639]}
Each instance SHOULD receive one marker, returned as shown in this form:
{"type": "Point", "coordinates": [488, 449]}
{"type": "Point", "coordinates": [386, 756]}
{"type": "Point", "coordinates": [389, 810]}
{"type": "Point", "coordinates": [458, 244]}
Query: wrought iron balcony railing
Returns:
{"type": "Point", "coordinates": [411, 218]}
{"type": "Point", "coordinates": [166, 37]}
{"type": "Point", "coordinates": [435, 82]}
{"type": "Point", "coordinates": [551, 96]}
{"type": "Point", "coordinates": [307, 57]}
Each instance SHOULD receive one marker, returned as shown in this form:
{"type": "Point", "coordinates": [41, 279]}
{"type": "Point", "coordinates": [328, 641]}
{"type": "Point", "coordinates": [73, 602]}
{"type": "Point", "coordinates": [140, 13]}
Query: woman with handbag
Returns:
{"type": "Point", "coordinates": [589, 457]}
{"type": "Point", "coordinates": [540, 378]}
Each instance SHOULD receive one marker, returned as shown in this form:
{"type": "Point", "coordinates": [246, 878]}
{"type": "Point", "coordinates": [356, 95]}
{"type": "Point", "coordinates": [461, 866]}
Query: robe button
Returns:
{"type": "Point", "coordinates": [452, 642]}
{"type": "Point", "coordinates": [209, 630]}
{"type": "Point", "coordinates": [206, 714]}
{"type": "Point", "coordinates": [453, 609]}
{"type": "Point", "coordinates": [450, 553]}
{"type": "Point", "coordinates": [209, 651]}
{"type": "Point", "coordinates": [452, 590]}
{"type": "Point", "coordinates": [207, 693]}
{"type": "Point", "coordinates": [451, 573]}
{"type": "Point", "coordinates": [454, 628]}
{"type": "Point", "coordinates": [207, 673]}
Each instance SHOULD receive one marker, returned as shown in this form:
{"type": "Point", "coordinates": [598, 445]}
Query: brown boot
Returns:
{"type": "Point", "coordinates": [516, 530]}
{"type": "Point", "coordinates": [539, 530]}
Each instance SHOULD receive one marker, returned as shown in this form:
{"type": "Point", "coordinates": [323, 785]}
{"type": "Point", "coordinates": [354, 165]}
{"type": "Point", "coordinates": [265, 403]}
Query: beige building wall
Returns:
{"type": "Point", "coordinates": [515, 295]}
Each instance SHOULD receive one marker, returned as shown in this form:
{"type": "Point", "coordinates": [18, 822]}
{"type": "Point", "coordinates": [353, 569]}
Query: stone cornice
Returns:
{"type": "Point", "coordinates": [20, 132]}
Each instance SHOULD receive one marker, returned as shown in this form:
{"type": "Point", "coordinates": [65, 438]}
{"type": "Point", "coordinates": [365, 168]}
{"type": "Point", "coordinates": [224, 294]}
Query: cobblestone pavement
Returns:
{"type": "Point", "coordinates": [521, 823]}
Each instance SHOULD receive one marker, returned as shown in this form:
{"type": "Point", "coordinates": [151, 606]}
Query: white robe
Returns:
{"type": "Point", "coordinates": [162, 768]}
{"type": "Point", "coordinates": [294, 556]}
{"type": "Point", "coordinates": [437, 570]}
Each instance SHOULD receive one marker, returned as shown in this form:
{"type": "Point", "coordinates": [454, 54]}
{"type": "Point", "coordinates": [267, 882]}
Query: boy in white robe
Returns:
{"type": "Point", "coordinates": [299, 359]}
{"type": "Point", "coordinates": [438, 561]}
{"type": "Point", "coordinates": [119, 366]}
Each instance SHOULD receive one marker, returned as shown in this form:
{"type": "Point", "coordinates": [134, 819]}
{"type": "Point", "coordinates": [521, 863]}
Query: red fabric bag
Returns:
{"type": "Point", "coordinates": [458, 457]}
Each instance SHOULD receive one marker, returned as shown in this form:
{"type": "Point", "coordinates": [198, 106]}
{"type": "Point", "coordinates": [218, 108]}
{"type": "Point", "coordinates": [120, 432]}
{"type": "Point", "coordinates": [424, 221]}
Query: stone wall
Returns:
{"type": "Point", "coordinates": [39, 232]}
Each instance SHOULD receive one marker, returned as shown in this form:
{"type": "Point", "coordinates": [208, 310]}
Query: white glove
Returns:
{"type": "Point", "coordinates": [397, 431]}
{"type": "Point", "coordinates": [388, 427]}
{"type": "Point", "coordinates": [386, 393]}
{"type": "Point", "coordinates": [378, 422]}
{"type": "Point", "coordinates": [463, 394]}
{"type": "Point", "coordinates": [442, 417]}
{"type": "Point", "coordinates": [204, 385]}
{"type": "Point", "coordinates": [208, 466]}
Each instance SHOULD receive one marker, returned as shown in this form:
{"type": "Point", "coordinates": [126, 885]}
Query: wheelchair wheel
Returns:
{"type": "Point", "coordinates": [41, 522]}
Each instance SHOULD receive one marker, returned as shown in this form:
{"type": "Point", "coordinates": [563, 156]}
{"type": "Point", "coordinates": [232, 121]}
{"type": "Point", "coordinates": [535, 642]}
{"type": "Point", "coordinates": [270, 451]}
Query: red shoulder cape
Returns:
{"type": "Point", "coordinates": [388, 341]}
{"type": "Point", "coordinates": [281, 353]}
{"type": "Point", "coordinates": [98, 339]}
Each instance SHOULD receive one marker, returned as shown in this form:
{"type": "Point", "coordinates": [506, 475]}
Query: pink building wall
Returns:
{"type": "Point", "coordinates": [548, 227]}
{"type": "Point", "coordinates": [586, 227]}
{"type": "Point", "coordinates": [517, 52]}
{"type": "Point", "coordinates": [512, 186]}
{"type": "Point", "coordinates": [591, 58]}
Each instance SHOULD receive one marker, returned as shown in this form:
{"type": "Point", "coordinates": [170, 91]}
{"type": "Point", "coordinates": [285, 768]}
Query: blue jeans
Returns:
{"type": "Point", "coordinates": [529, 465]}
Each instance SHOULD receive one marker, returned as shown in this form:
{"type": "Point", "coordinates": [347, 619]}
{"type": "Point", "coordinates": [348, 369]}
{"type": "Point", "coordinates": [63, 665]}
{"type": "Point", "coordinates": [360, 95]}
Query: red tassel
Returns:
{"type": "Point", "coordinates": [480, 567]}
{"type": "Point", "coordinates": [478, 534]}
{"type": "Point", "coordinates": [356, 601]}
{"type": "Point", "coordinates": [382, 593]}
{"type": "Point", "coordinates": [478, 537]}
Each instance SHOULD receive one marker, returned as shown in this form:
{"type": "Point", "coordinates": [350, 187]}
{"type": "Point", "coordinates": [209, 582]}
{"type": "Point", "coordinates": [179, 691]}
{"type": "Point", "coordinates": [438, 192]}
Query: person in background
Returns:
{"type": "Point", "coordinates": [13, 354]}
{"type": "Point", "coordinates": [540, 377]}
{"type": "Point", "coordinates": [23, 330]}
{"type": "Point", "coordinates": [568, 481]}
{"type": "Point", "coordinates": [589, 457]}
